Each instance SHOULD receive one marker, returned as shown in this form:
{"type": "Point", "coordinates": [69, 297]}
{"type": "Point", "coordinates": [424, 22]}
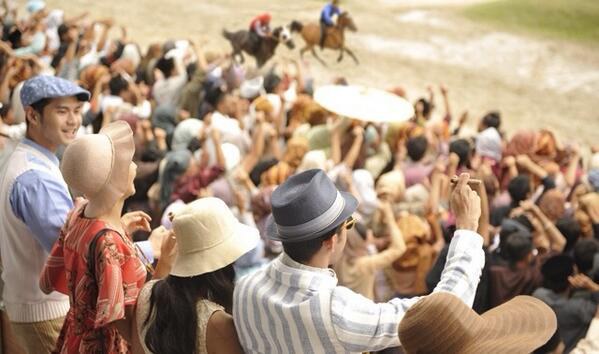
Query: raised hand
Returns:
{"type": "Point", "coordinates": [136, 221]}
{"type": "Point", "coordinates": [465, 204]}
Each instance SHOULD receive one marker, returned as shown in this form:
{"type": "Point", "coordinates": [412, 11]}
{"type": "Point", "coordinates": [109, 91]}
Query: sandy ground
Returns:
{"type": "Point", "coordinates": [534, 82]}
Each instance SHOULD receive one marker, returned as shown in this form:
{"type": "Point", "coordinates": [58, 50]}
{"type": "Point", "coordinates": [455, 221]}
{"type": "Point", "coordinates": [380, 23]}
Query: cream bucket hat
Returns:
{"type": "Point", "coordinates": [209, 238]}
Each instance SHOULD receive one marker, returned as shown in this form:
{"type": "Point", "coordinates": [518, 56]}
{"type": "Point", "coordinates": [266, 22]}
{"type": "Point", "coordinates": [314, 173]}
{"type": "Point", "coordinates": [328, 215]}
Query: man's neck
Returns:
{"type": "Point", "coordinates": [41, 142]}
{"type": "Point", "coordinates": [318, 261]}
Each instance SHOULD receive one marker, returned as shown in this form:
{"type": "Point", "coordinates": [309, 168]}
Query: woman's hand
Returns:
{"type": "Point", "coordinates": [136, 221]}
{"type": "Point", "coordinates": [168, 252]}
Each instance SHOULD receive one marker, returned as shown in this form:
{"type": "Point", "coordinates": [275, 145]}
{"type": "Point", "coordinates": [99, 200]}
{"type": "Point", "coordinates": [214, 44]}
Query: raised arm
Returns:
{"type": "Point", "coordinates": [354, 151]}
{"type": "Point", "coordinates": [466, 257]}
{"type": "Point", "coordinates": [396, 248]}
{"type": "Point", "coordinates": [557, 241]}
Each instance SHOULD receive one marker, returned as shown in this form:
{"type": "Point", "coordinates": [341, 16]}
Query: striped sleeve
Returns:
{"type": "Point", "coordinates": [362, 325]}
{"type": "Point", "coordinates": [465, 261]}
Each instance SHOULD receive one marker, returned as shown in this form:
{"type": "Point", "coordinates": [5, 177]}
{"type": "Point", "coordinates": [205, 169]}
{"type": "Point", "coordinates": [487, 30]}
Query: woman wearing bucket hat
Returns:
{"type": "Point", "coordinates": [94, 261]}
{"type": "Point", "coordinates": [189, 311]}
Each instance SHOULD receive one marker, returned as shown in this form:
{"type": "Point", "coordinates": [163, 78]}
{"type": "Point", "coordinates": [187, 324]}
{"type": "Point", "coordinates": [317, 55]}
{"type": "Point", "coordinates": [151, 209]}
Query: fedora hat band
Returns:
{"type": "Point", "coordinates": [317, 224]}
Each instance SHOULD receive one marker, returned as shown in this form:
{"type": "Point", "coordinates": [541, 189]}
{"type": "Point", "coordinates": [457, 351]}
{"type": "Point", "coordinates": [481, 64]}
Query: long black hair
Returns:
{"type": "Point", "coordinates": [174, 299]}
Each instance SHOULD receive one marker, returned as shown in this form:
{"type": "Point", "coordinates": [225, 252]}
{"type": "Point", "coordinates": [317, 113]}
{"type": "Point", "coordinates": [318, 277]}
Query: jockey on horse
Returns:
{"type": "Point", "coordinates": [326, 19]}
{"type": "Point", "coordinates": [259, 29]}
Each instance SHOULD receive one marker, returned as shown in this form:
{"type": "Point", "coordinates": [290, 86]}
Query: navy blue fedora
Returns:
{"type": "Point", "coordinates": [307, 206]}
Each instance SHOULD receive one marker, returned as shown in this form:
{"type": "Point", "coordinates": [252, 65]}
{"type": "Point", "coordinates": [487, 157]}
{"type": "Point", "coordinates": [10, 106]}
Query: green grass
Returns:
{"type": "Point", "coordinates": [575, 20]}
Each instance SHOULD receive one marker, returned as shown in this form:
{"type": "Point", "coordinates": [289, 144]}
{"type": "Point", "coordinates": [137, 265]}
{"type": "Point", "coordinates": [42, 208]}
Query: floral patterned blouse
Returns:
{"type": "Point", "coordinates": [96, 300]}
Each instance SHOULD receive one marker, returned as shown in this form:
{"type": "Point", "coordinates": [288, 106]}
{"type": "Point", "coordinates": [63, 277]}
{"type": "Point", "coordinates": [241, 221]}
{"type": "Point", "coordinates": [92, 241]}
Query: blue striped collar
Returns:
{"type": "Point", "coordinates": [51, 156]}
{"type": "Point", "coordinates": [310, 277]}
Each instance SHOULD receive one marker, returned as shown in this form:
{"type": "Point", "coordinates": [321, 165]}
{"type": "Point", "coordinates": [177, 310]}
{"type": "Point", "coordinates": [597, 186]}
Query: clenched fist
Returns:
{"type": "Point", "coordinates": [465, 204]}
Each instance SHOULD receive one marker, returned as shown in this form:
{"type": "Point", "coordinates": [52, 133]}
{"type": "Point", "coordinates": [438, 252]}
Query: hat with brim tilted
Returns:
{"type": "Point", "coordinates": [442, 323]}
{"type": "Point", "coordinates": [307, 206]}
{"type": "Point", "coordinates": [97, 166]}
{"type": "Point", "coordinates": [209, 238]}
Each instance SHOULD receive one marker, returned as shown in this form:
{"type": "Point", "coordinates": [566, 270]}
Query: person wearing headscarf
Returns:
{"type": "Point", "coordinates": [488, 144]}
{"type": "Point", "coordinates": [522, 143]}
{"type": "Point", "coordinates": [407, 275]}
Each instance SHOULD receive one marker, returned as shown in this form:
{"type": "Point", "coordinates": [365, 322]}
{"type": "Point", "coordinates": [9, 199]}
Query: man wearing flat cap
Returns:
{"type": "Point", "coordinates": [294, 304]}
{"type": "Point", "coordinates": [34, 204]}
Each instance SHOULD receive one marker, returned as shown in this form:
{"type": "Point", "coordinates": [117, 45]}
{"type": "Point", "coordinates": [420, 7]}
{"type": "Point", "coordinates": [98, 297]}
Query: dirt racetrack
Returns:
{"type": "Point", "coordinates": [534, 82]}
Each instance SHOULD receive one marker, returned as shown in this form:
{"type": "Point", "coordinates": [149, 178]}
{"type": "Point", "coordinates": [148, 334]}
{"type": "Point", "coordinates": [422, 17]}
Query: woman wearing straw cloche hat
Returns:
{"type": "Point", "coordinates": [94, 260]}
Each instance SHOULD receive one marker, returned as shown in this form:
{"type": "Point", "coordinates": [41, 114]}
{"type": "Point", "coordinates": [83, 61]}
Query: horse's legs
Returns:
{"type": "Point", "coordinates": [302, 51]}
{"type": "Point", "coordinates": [317, 57]}
{"type": "Point", "coordinates": [351, 54]}
{"type": "Point", "coordinates": [340, 57]}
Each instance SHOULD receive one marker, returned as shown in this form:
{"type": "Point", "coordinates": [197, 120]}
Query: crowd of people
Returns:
{"type": "Point", "coordinates": [173, 201]}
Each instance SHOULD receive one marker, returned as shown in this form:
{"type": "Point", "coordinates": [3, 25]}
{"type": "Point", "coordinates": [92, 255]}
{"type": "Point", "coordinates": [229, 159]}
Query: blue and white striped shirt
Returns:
{"type": "Point", "coordinates": [288, 307]}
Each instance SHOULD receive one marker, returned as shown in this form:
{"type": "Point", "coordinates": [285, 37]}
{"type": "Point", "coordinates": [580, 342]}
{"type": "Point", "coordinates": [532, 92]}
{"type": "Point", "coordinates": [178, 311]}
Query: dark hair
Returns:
{"type": "Point", "coordinates": [556, 271]}
{"type": "Point", "coordinates": [519, 188]}
{"type": "Point", "coordinates": [461, 147]}
{"type": "Point", "coordinates": [570, 228]}
{"type": "Point", "coordinates": [214, 91]}
{"type": "Point", "coordinates": [174, 299]}
{"type": "Point", "coordinates": [62, 30]}
{"type": "Point", "coordinates": [271, 81]}
{"type": "Point", "coordinates": [39, 106]}
{"type": "Point", "coordinates": [584, 253]}
{"type": "Point", "coordinates": [4, 109]}
{"type": "Point", "coordinates": [117, 85]}
{"type": "Point", "coordinates": [517, 247]}
{"type": "Point", "coordinates": [426, 106]}
{"type": "Point", "coordinates": [304, 251]}
{"type": "Point", "coordinates": [166, 66]}
{"type": "Point", "coordinates": [492, 120]}
{"type": "Point", "coordinates": [511, 227]}
{"type": "Point", "coordinates": [260, 168]}
{"type": "Point", "coordinates": [551, 344]}
{"type": "Point", "coordinates": [416, 148]}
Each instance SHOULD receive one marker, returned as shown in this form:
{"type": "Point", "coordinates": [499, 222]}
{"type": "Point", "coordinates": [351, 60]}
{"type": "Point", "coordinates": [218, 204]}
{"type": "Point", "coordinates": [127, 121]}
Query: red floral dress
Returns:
{"type": "Point", "coordinates": [119, 272]}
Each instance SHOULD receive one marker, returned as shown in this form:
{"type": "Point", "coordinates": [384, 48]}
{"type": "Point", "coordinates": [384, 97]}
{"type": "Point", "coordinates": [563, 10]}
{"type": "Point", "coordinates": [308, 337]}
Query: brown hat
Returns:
{"type": "Point", "coordinates": [97, 166]}
{"type": "Point", "coordinates": [442, 323]}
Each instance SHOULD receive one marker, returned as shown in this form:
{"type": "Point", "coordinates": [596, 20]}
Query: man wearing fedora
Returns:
{"type": "Point", "coordinates": [294, 304]}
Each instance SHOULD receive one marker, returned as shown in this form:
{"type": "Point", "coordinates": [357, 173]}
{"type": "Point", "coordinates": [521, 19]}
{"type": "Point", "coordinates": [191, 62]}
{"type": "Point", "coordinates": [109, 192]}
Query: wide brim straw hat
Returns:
{"type": "Point", "coordinates": [97, 166]}
{"type": "Point", "coordinates": [442, 323]}
{"type": "Point", "coordinates": [209, 238]}
{"type": "Point", "coordinates": [364, 103]}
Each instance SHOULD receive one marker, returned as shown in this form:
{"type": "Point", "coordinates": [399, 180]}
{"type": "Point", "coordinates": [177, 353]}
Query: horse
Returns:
{"type": "Point", "coordinates": [242, 42]}
{"type": "Point", "coordinates": [335, 38]}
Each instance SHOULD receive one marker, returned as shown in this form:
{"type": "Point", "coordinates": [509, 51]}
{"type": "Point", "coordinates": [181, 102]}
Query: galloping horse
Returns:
{"type": "Point", "coordinates": [241, 42]}
{"type": "Point", "coordinates": [335, 38]}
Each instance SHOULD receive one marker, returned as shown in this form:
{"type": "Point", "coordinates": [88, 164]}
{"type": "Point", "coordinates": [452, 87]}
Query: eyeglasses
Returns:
{"type": "Point", "coordinates": [349, 223]}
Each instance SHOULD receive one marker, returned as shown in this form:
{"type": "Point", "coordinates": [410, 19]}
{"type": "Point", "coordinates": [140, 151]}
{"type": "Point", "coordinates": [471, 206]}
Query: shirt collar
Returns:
{"type": "Point", "coordinates": [311, 277]}
{"type": "Point", "coordinates": [51, 156]}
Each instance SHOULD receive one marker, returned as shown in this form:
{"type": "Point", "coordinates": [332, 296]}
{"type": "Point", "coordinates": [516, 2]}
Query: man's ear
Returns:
{"type": "Point", "coordinates": [331, 242]}
{"type": "Point", "coordinates": [32, 116]}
